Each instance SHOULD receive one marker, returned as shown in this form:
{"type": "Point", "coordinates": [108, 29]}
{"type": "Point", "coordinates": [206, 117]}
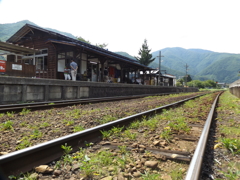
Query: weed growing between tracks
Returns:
{"type": "Point", "coordinates": [229, 116]}
{"type": "Point", "coordinates": [223, 150]}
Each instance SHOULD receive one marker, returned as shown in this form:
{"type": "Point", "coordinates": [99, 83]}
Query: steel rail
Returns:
{"type": "Point", "coordinates": [194, 169]}
{"type": "Point", "coordinates": [24, 160]}
{"type": "Point", "coordinates": [49, 104]}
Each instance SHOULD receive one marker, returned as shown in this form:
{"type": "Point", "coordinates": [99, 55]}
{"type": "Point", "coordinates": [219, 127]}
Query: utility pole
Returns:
{"type": "Point", "coordinates": [159, 67]}
{"type": "Point", "coordinates": [186, 74]}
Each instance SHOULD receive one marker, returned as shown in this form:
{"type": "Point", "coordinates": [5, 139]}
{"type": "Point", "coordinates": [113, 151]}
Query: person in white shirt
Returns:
{"type": "Point", "coordinates": [74, 68]}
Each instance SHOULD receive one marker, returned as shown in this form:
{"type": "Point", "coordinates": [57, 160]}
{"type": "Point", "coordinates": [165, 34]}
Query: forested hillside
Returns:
{"type": "Point", "coordinates": [155, 65]}
{"type": "Point", "coordinates": [7, 30]}
{"type": "Point", "coordinates": [125, 54]}
{"type": "Point", "coordinates": [202, 64]}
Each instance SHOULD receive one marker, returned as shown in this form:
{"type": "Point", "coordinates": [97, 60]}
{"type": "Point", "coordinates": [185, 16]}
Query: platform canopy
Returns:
{"type": "Point", "coordinates": [16, 49]}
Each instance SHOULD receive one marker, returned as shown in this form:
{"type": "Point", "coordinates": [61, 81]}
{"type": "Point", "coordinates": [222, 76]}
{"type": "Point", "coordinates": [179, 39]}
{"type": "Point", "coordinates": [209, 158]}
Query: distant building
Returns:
{"type": "Point", "coordinates": [222, 85]}
{"type": "Point", "coordinates": [165, 79]}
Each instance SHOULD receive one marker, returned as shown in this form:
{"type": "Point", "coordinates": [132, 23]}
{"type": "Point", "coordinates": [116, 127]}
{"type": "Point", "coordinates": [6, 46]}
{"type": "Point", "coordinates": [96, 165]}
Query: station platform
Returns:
{"type": "Point", "coordinates": [23, 90]}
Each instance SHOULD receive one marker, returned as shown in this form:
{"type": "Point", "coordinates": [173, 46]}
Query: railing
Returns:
{"type": "Point", "coordinates": [49, 74]}
{"type": "Point", "coordinates": [20, 69]}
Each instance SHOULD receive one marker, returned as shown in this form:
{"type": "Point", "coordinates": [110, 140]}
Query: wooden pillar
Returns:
{"type": "Point", "coordinates": [102, 61]}
{"type": "Point", "coordinates": [122, 75]}
{"type": "Point", "coordinates": [135, 75]}
{"type": "Point", "coordinates": [97, 72]}
{"type": "Point", "coordinates": [128, 73]}
{"type": "Point", "coordinates": [144, 77]}
{"type": "Point", "coordinates": [80, 65]}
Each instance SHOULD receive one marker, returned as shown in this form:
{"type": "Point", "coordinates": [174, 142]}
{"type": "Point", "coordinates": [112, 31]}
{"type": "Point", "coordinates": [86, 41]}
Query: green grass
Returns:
{"type": "Point", "coordinates": [106, 119]}
{"type": "Point", "coordinates": [78, 128]}
{"type": "Point", "coordinates": [25, 111]}
{"type": "Point", "coordinates": [150, 176]}
{"type": "Point", "coordinates": [8, 125]}
{"type": "Point", "coordinates": [230, 130]}
{"type": "Point", "coordinates": [232, 145]}
{"type": "Point", "coordinates": [10, 114]}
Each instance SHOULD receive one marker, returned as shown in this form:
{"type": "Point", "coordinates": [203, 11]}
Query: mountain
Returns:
{"type": "Point", "coordinates": [125, 54]}
{"type": "Point", "coordinates": [7, 30]}
{"type": "Point", "coordinates": [155, 65]}
{"type": "Point", "coordinates": [202, 64]}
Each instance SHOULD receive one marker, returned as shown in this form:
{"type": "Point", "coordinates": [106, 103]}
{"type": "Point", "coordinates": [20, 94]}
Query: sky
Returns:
{"type": "Point", "coordinates": [124, 24]}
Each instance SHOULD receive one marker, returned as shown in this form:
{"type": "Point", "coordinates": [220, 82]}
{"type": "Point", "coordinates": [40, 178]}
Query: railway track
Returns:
{"type": "Point", "coordinates": [25, 159]}
{"type": "Point", "coordinates": [63, 103]}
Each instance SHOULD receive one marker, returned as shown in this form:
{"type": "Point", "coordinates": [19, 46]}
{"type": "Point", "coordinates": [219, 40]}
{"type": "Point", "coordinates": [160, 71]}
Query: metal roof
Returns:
{"type": "Point", "coordinates": [15, 48]}
{"type": "Point", "coordinates": [70, 41]}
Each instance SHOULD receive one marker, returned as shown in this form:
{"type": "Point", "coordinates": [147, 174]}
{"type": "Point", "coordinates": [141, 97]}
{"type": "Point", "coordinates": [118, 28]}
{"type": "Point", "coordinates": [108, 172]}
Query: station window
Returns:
{"type": "Point", "coordinates": [41, 63]}
{"type": "Point", "coordinates": [28, 61]}
{"type": "Point", "coordinates": [42, 51]}
{"type": "Point", "coordinates": [70, 54]}
{"type": "Point", "coordinates": [61, 55]}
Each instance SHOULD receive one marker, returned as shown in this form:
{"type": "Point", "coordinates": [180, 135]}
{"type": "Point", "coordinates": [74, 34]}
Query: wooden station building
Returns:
{"type": "Point", "coordinates": [48, 52]}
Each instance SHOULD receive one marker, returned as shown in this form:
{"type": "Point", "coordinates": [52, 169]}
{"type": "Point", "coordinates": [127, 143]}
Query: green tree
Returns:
{"type": "Point", "coordinates": [87, 41]}
{"type": "Point", "coordinates": [210, 84]}
{"type": "Point", "coordinates": [188, 78]}
{"type": "Point", "coordinates": [179, 84]}
{"type": "Point", "coordinates": [102, 45]}
{"type": "Point", "coordinates": [145, 56]}
{"type": "Point", "coordinates": [180, 81]}
{"type": "Point", "coordinates": [83, 40]}
{"type": "Point", "coordinates": [196, 83]}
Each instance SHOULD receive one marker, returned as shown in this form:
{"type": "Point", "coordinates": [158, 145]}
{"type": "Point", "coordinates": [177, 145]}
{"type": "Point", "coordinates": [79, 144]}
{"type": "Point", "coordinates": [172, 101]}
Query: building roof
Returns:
{"type": "Point", "coordinates": [99, 51]}
{"type": "Point", "coordinates": [73, 42]}
{"type": "Point", "coordinates": [15, 48]}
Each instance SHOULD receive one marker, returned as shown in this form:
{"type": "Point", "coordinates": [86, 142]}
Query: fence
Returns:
{"type": "Point", "coordinates": [49, 74]}
{"type": "Point", "coordinates": [20, 69]}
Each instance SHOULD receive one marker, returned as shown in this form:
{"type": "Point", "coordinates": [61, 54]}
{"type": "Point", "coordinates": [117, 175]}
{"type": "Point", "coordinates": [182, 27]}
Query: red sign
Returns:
{"type": "Point", "coordinates": [2, 66]}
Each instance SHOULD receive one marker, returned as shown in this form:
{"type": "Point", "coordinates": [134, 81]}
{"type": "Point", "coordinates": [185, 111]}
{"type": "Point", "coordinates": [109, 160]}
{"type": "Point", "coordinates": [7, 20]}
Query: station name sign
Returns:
{"type": "Point", "coordinates": [17, 67]}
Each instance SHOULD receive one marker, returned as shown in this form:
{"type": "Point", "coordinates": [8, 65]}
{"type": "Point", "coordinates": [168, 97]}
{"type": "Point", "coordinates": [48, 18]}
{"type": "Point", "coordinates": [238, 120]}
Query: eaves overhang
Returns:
{"type": "Point", "coordinates": [17, 49]}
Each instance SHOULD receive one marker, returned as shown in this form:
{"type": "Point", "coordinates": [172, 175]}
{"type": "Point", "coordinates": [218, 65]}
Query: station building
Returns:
{"type": "Point", "coordinates": [37, 52]}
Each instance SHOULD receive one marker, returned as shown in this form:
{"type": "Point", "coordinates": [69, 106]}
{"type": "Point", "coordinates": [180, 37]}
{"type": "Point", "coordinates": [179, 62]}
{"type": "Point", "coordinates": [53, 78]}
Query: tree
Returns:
{"type": "Point", "coordinates": [210, 84]}
{"type": "Point", "coordinates": [145, 56]}
{"type": "Point", "coordinates": [86, 41]}
{"type": "Point", "coordinates": [83, 40]}
{"type": "Point", "coordinates": [102, 45]}
{"type": "Point", "coordinates": [188, 78]}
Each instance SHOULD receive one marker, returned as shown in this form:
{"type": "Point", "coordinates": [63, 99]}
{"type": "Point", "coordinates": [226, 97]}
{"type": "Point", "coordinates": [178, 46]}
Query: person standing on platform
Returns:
{"type": "Point", "coordinates": [67, 73]}
{"type": "Point", "coordinates": [74, 68]}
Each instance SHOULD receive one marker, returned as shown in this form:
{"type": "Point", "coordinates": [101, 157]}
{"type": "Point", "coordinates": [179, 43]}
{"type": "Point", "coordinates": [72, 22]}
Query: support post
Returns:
{"type": "Point", "coordinates": [159, 74]}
